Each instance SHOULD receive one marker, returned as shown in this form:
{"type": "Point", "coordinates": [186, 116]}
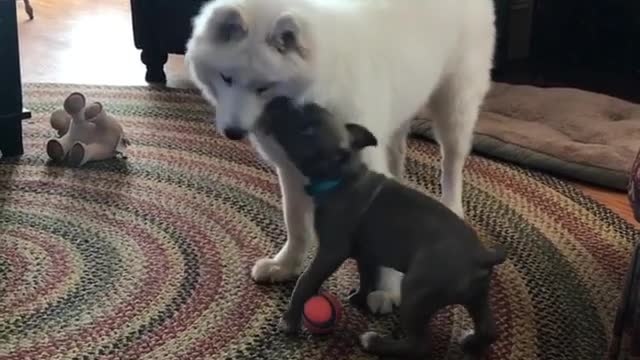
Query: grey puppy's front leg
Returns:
{"type": "Point", "coordinates": [326, 262]}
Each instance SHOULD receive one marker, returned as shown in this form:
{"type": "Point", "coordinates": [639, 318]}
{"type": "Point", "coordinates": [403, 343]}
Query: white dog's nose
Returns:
{"type": "Point", "coordinates": [234, 133]}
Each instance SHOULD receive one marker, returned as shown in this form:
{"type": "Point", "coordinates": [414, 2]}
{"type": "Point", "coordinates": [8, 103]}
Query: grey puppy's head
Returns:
{"type": "Point", "coordinates": [319, 146]}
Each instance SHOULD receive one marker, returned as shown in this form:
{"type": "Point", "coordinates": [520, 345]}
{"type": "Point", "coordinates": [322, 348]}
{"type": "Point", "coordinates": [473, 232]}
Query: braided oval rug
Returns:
{"type": "Point", "coordinates": [149, 258]}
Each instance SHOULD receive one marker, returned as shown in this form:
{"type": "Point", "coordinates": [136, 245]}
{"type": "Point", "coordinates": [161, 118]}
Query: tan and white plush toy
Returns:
{"type": "Point", "coordinates": [87, 133]}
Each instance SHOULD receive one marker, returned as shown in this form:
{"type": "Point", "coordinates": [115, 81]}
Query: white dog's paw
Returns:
{"type": "Point", "coordinates": [382, 302]}
{"type": "Point", "coordinates": [270, 270]}
{"type": "Point", "coordinates": [367, 339]}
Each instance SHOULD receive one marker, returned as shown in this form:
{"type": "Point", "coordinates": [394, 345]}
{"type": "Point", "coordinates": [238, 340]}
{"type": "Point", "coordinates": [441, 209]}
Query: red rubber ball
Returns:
{"type": "Point", "coordinates": [321, 313]}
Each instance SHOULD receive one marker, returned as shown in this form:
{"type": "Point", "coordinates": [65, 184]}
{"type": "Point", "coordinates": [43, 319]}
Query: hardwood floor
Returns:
{"type": "Point", "coordinates": [84, 42]}
{"type": "Point", "coordinates": [616, 201]}
{"type": "Point", "coordinates": [91, 42]}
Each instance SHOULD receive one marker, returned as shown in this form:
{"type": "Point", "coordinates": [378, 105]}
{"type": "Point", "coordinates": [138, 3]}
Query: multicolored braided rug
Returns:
{"type": "Point", "coordinates": [149, 258]}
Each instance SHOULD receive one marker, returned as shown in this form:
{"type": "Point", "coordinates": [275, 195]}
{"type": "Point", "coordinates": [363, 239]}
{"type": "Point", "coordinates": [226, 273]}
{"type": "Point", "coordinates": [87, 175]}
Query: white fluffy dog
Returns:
{"type": "Point", "coordinates": [371, 62]}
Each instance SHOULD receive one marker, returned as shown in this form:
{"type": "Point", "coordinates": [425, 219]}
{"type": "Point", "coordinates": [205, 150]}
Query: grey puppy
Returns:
{"type": "Point", "coordinates": [377, 221]}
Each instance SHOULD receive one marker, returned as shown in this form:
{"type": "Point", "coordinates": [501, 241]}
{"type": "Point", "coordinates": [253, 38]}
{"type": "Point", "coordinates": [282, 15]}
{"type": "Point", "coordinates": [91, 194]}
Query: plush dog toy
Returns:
{"type": "Point", "coordinates": [87, 133]}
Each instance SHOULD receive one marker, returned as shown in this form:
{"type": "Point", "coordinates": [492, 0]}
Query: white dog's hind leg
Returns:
{"type": "Point", "coordinates": [298, 217]}
{"type": "Point", "coordinates": [388, 294]}
{"type": "Point", "coordinates": [455, 107]}
{"type": "Point", "coordinates": [398, 151]}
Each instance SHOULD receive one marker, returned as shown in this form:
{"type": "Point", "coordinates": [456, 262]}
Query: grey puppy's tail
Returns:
{"type": "Point", "coordinates": [495, 256]}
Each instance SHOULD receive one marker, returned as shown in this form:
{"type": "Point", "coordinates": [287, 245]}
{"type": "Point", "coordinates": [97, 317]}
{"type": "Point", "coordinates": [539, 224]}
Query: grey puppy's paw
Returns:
{"type": "Point", "coordinates": [288, 326]}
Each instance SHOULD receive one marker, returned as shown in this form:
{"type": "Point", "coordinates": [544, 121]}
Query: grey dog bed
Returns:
{"type": "Point", "coordinates": [568, 132]}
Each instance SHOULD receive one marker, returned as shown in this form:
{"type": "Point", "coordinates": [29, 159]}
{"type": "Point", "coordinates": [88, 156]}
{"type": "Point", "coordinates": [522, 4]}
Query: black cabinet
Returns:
{"type": "Point", "coordinates": [589, 44]}
{"type": "Point", "coordinates": [11, 112]}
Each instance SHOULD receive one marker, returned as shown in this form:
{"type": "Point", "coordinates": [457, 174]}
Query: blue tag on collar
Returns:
{"type": "Point", "coordinates": [317, 187]}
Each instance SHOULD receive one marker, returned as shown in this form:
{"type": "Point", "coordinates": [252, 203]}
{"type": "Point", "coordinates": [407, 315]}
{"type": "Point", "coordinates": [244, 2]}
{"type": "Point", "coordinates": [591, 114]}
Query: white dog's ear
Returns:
{"type": "Point", "coordinates": [361, 137]}
{"type": "Point", "coordinates": [287, 35]}
{"type": "Point", "coordinates": [228, 25]}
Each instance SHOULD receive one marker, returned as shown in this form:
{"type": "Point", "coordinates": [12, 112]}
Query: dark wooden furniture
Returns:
{"type": "Point", "coordinates": [160, 28]}
{"type": "Point", "coordinates": [11, 111]}
{"type": "Point", "coordinates": [589, 44]}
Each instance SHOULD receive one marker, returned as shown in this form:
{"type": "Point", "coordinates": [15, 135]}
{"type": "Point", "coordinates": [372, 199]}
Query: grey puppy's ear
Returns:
{"type": "Point", "coordinates": [361, 137]}
{"type": "Point", "coordinates": [286, 35]}
{"type": "Point", "coordinates": [228, 25]}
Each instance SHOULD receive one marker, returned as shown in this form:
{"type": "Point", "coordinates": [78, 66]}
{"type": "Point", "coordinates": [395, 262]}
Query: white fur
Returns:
{"type": "Point", "coordinates": [367, 339]}
{"type": "Point", "coordinates": [372, 62]}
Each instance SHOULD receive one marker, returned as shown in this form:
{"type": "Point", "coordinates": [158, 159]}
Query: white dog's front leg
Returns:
{"type": "Point", "coordinates": [388, 293]}
{"type": "Point", "coordinates": [298, 217]}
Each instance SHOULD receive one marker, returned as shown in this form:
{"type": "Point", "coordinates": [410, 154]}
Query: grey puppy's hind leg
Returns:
{"type": "Point", "coordinates": [414, 318]}
{"type": "Point", "coordinates": [485, 333]}
{"type": "Point", "coordinates": [416, 311]}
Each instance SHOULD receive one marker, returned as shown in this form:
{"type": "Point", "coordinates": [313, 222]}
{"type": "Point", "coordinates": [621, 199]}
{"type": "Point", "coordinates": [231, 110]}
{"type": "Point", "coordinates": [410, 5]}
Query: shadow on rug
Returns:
{"type": "Point", "coordinates": [150, 257]}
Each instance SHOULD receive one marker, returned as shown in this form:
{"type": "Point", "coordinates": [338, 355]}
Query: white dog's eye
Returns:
{"type": "Point", "coordinates": [227, 80]}
{"type": "Point", "coordinates": [264, 88]}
